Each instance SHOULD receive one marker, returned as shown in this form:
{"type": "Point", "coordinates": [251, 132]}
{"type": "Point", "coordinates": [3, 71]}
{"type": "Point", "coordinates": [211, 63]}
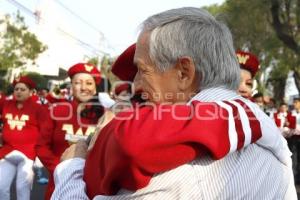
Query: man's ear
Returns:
{"type": "Point", "coordinates": [186, 70]}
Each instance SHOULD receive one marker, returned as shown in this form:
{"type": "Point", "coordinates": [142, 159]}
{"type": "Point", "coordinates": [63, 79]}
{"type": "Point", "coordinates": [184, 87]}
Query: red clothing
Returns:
{"type": "Point", "coordinates": [35, 98]}
{"type": "Point", "coordinates": [21, 127]}
{"type": "Point", "coordinates": [2, 98]}
{"type": "Point", "coordinates": [138, 144]}
{"type": "Point", "coordinates": [52, 99]}
{"type": "Point", "coordinates": [52, 144]}
{"type": "Point", "coordinates": [282, 118]}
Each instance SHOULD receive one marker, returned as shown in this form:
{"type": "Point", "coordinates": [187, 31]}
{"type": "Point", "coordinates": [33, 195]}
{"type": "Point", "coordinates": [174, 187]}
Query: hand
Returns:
{"type": "Point", "coordinates": [102, 122]}
{"type": "Point", "coordinates": [78, 150]}
{"type": "Point", "coordinates": [286, 132]}
{"type": "Point", "coordinates": [286, 124]}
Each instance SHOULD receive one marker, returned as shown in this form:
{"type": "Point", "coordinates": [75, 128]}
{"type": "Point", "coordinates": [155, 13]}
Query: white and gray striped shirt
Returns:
{"type": "Point", "coordinates": [255, 172]}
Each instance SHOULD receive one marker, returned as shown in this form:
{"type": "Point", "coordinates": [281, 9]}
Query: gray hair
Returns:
{"type": "Point", "coordinates": [194, 32]}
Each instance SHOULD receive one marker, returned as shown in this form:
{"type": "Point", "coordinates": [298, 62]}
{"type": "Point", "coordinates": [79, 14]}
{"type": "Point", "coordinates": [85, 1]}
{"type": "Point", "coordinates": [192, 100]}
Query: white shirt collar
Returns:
{"type": "Point", "coordinates": [215, 94]}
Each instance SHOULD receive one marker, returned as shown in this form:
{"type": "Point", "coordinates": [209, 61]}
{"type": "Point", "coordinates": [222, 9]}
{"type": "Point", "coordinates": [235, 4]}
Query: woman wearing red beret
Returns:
{"type": "Point", "coordinates": [23, 121]}
{"type": "Point", "coordinates": [71, 120]}
{"type": "Point", "coordinates": [249, 65]}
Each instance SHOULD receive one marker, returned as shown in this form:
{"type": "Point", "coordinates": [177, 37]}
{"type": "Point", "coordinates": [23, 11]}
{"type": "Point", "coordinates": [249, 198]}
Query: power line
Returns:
{"type": "Point", "coordinates": [17, 4]}
{"type": "Point", "coordinates": [82, 43]}
{"type": "Point", "coordinates": [82, 20]}
{"type": "Point", "coordinates": [79, 17]}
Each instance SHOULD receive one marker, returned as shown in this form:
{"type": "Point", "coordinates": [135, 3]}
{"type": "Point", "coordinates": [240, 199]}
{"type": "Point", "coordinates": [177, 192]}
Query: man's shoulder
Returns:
{"type": "Point", "coordinates": [247, 157]}
{"type": "Point", "coordinates": [239, 171]}
{"type": "Point", "coordinates": [250, 170]}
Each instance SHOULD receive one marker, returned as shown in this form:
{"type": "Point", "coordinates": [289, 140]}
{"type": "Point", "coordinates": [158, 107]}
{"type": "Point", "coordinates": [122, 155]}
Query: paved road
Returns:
{"type": "Point", "coordinates": [37, 192]}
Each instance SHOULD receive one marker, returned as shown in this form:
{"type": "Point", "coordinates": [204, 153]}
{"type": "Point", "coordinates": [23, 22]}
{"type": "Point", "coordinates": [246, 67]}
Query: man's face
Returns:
{"type": "Point", "coordinates": [297, 105]}
{"type": "Point", "coordinates": [21, 92]}
{"type": "Point", "coordinates": [156, 86]}
{"type": "Point", "coordinates": [83, 87]}
{"type": "Point", "coordinates": [43, 93]}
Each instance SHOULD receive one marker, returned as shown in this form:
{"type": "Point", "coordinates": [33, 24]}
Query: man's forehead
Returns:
{"type": "Point", "coordinates": [142, 49]}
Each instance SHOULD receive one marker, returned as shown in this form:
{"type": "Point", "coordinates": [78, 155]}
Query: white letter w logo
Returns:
{"type": "Point", "coordinates": [16, 121]}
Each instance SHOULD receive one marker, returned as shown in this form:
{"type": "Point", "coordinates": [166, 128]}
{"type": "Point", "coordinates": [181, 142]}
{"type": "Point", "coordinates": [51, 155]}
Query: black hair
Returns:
{"type": "Point", "coordinates": [93, 109]}
{"type": "Point", "coordinates": [257, 95]}
{"type": "Point", "coordinates": [283, 104]}
{"type": "Point", "coordinates": [296, 99]}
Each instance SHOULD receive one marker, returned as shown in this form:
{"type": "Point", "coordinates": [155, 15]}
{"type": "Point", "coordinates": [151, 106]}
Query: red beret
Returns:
{"type": "Point", "coordinates": [123, 67]}
{"type": "Point", "coordinates": [26, 80]}
{"type": "Point", "coordinates": [248, 61]}
{"type": "Point", "coordinates": [85, 68]}
{"type": "Point", "coordinates": [122, 87]}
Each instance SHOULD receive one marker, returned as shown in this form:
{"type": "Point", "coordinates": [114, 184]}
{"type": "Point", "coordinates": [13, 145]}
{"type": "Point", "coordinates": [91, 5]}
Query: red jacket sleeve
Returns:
{"type": "Point", "coordinates": [44, 143]}
{"type": "Point", "coordinates": [135, 146]}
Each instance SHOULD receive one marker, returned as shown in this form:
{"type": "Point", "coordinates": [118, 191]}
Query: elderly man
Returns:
{"type": "Point", "coordinates": [193, 141]}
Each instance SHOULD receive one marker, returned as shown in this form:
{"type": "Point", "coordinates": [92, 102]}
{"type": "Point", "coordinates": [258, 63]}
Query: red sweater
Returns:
{"type": "Point", "coordinates": [51, 144]}
{"type": "Point", "coordinates": [138, 144]}
{"type": "Point", "coordinates": [21, 127]}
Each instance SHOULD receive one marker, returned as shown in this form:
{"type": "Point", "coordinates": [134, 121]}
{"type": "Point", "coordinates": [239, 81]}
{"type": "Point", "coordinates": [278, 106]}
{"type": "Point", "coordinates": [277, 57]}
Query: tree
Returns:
{"type": "Point", "coordinates": [3, 85]}
{"type": "Point", "coordinates": [286, 23]}
{"type": "Point", "coordinates": [17, 44]}
{"type": "Point", "coordinates": [252, 24]}
{"type": "Point", "coordinates": [94, 61]}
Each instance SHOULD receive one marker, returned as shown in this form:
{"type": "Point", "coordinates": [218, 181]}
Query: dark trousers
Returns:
{"type": "Point", "coordinates": [294, 145]}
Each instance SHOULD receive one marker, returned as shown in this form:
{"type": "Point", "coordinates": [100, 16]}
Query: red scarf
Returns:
{"type": "Point", "coordinates": [129, 152]}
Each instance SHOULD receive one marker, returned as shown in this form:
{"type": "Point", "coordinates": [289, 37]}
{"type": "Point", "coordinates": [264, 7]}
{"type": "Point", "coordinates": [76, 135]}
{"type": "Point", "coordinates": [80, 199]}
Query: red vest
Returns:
{"type": "Point", "coordinates": [280, 121]}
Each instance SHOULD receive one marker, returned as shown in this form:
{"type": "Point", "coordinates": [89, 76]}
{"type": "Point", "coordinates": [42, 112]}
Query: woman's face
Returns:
{"type": "Point", "coordinates": [21, 92]}
{"type": "Point", "coordinates": [283, 108]}
{"type": "Point", "coordinates": [246, 84]}
{"type": "Point", "coordinates": [83, 87]}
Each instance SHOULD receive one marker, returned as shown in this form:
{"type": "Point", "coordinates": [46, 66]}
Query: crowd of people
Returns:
{"type": "Point", "coordinates": [182, 123]}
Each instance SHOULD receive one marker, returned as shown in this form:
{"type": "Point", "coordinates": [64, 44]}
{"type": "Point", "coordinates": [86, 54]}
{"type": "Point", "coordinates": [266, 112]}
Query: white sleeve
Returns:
{"type": "Point", "coordinates": [179, 183]}
{"type": "Point", "coordinates": [272, 138]}
{"type": "Point", "coordinates": [70, 185]}
{"type": "Point", "coordinates": [105, 100]}
{"type": "Point", "coordinates": [68, 180]}
{"type": "Point", "coordinates": [143, 194]}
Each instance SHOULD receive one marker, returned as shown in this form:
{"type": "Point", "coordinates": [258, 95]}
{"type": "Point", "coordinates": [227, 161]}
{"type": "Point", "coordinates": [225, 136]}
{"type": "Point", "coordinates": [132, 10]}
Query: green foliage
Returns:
{"type": "Point", "coordinates": [94, 61]}
{"type": "Point", "coordinates": [252, 24]}
{"type": "Point", "coordinates": [106, 64]}
{"type": "Point", "coordinates": [214, 9]}
{"type": "Point", "coordinates": [18, 45]}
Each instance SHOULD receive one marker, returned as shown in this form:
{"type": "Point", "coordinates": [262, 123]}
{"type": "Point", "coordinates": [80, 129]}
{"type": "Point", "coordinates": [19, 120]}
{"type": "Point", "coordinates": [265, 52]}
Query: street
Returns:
{"type": "Point", "coordinates": [37, 192]}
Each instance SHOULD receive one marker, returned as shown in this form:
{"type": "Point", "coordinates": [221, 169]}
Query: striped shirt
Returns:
{"type": "Point", "coordinates": [251, 173]}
